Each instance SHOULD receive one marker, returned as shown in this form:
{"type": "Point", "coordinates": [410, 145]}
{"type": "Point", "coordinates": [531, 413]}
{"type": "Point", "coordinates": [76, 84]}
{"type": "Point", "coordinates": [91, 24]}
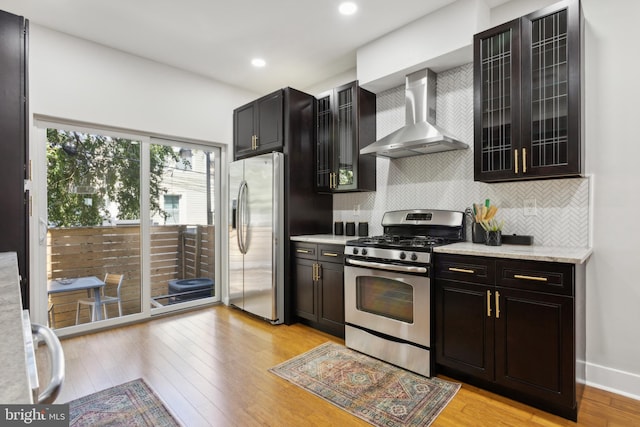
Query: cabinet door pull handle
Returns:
{"type": "Point", "coordinates": [461, 270]}
{"type": "Point", "coordinates": [488, 303]}
{"type": "Point", "coordinates": [329, 254]}
{"type": "Point", "coordinates": [524, 160]}
{"type": "Point", "coordinates": [257, 139]}
{"type": "Point", "coordinates": [516, 159]}
{"type": "Point", "coordinates": [319, 270]}
{"type": "Point", "coordinates": [316, 272]}
{"type": "Point", "coordinates": [313, 272]}
{"type": "Point", "coordinates": [303, 251]}
{"type": "Point", "coordinates": [535, 278]}
{"type": "Point", "coordinates": [497, 305]}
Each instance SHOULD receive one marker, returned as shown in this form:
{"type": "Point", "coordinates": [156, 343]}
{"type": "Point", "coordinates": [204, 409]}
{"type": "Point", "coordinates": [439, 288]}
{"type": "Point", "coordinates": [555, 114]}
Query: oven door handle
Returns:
{"type": "Point", "coordinates": [388, 267]}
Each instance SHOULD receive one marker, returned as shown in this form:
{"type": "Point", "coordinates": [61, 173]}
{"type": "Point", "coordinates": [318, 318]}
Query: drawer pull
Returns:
{"type": "Point", "coordinates": [303, 251]}
{"type": "Point", "coordinates": [330, 254]}
{"type": "Point", "coordinates": [461, 270]}
{"type": "Point", "coordinates": [488, 303]}
{"type": "Point", "coordinates": [535, 278]}
{"type": "Point", "coordinates": [497, 305]}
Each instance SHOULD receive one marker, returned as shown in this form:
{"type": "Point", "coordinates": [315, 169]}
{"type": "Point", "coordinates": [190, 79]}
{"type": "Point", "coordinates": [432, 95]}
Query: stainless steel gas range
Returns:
{"type": "Point", "coordinates": [388, 290]}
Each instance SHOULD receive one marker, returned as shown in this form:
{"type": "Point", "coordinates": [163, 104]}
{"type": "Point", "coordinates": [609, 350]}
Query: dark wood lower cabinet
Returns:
{"type": "Point", "coordinates": [319, 286]}
{"type": "Point", "coordinates": [464, 338]}
{"type": "Point", "coordinates": [534, 345]}
{"type": "Point", "coordinates": [513, 327]}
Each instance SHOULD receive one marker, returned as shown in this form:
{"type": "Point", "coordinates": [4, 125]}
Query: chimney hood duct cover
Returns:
{"type": "Point", "coordinates": [419, 135]}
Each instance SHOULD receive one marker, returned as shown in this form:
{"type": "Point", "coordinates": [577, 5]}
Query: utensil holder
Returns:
{"type": "Point", "coordinates": [494, 238]}
{"type": "Point", "coordinates": [478, 234]}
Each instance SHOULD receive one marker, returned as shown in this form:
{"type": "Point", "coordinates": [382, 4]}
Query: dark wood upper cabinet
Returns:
{"type": "Point", "coordinates": [528, 96]}
{"type": "Point", "coordinates": [13, 143]}
{"type": "Point", "coordinates": [346, 123]}
{"type": "Point", "coordinates": [258, 126]}
{"type": "Point", "coordinates": [284, 121]}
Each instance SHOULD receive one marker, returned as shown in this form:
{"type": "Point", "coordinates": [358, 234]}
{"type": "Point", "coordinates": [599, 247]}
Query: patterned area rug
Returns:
{"type": "Point", "coordinates": [379, 393]}
{"type": "Point", "coordinates": [129, 404]}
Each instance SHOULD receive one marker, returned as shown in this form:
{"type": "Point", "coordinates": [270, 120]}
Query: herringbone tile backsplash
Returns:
{"type": "Point", "coordinates": [445, 180]}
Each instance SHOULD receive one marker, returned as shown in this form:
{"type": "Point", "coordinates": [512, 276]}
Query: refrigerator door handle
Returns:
{"type": "Point", "coordinates": [241, 210]}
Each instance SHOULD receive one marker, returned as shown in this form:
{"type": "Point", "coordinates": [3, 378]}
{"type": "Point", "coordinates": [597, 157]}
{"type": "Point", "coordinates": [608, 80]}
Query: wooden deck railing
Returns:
{"type": "Point", "coordinates": [177, 252]}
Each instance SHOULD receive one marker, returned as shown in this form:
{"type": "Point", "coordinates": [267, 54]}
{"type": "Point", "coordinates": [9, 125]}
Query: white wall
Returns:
{"type": "Point", "coordinates": [613, 151]}
{"type": "Point", "coordinates": [82, 81]}
{"type": "Point", "coordinates": [439, 40]}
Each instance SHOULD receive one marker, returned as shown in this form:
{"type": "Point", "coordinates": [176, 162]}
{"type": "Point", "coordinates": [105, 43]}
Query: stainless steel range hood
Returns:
{"type": "Point", "coordinates": [420, 135]}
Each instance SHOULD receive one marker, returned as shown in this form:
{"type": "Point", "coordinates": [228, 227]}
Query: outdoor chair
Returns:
{"type": "Point", "coordinates": [111, 281]}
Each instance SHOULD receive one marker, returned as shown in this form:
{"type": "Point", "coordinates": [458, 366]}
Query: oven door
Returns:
{"type": "Point", "coordinates": [393, 303]}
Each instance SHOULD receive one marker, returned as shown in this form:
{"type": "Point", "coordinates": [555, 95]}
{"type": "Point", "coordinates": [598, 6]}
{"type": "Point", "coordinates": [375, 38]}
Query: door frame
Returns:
{"type": "Point", "coordinates": [38, 225]}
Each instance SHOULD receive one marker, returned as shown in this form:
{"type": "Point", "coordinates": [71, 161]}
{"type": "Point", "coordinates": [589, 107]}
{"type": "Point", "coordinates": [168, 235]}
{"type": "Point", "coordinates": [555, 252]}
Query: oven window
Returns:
{"type": "Point", "coordinates": [385, 297]}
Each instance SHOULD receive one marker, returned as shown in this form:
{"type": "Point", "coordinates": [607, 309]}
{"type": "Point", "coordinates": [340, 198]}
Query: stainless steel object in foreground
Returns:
{"type": "Point", "coordinates": [387, 286]}
{"type": "Point", "coordinates": [56, 356]}
{"type": "Point", "coordinates": [420, 134]}
{"type": "Point", "coordinates": [256, 252]}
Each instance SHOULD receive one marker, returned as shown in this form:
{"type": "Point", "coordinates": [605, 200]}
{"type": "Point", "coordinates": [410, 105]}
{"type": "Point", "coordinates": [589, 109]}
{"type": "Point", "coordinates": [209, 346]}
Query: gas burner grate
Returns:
{"type": "Point", "coordinates": [402, 241]}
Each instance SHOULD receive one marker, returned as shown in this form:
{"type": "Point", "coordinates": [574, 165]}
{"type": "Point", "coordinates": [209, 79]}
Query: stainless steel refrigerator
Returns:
{"type": "Point", "coordinates": [256, 236]}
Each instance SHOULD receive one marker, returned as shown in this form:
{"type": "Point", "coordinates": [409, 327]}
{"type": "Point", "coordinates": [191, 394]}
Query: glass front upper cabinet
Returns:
{"type": "Point", "coordinates": [528, 113]}
{"type": "Point", "coordinates": [345, 124]}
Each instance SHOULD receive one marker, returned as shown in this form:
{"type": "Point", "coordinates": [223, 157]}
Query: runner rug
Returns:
{"type": "Point", "coordinates": [129, 404]}
{"type": "Point", "coordinates": [377, 392]}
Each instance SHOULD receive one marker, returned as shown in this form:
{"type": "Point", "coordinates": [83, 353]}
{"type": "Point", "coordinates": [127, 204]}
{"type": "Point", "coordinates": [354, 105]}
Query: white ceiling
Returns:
{"type": "Point", "coordinates": [303, 41]}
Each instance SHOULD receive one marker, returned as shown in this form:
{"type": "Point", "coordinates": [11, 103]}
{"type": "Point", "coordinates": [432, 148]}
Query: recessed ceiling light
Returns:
{"type": "Point", "coordinates": [258, 62]}
{"type": "Point", "coordinates": [348, 8]}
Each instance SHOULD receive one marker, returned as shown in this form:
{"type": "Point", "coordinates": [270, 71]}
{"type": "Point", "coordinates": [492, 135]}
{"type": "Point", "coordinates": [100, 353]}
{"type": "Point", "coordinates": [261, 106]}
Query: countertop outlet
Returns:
{"type": "Point", "coordinates": [529, 207]}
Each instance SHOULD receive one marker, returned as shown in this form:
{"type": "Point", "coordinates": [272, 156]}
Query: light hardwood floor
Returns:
{"type": "Point", "coordinates": [210, 368]}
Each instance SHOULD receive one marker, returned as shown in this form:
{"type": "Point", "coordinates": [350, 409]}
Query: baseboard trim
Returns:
{"type": "Point", "coordinates": [613, 380]}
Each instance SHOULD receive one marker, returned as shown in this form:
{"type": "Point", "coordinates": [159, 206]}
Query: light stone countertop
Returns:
{"type": "Point", "coordinates": [532, 253]}
{"type": "Point", "coordinates": [14, 381]}
{"type": "Point", "coordinates": [330, 239]}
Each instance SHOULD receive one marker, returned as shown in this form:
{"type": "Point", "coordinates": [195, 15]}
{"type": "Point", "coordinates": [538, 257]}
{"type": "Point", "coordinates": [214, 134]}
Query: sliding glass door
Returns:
{"type": "Point", "coordinates": [182, 210]}
{"type": "Point", "coordinates": [93, 226]}
{"type": "Point", "coordinates": [141, 209]}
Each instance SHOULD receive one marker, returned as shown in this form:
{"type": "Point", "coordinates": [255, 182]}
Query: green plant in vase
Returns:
{"type": "Point", "coordinates": [492, 225]}
{"type": "Point", "coordinates": [493, 229]}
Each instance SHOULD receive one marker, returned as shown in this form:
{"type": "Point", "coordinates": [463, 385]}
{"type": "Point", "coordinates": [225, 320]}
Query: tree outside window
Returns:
{"type": "Point", "coordinates": [92, 177]}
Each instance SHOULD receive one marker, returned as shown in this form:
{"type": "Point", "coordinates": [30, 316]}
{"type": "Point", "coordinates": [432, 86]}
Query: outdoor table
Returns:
{"type": "Point", "coordinates": [78, 284]}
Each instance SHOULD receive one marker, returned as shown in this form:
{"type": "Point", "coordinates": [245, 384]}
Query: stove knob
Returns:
{"type": "Point", "coordinates": [414, 257]}
{"type": "Point", "coordinates": [403, 255]}
{"type": "Point", "coordinates": [364, 252]}
{"type": "Point", "coordinates": [355, 251]}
